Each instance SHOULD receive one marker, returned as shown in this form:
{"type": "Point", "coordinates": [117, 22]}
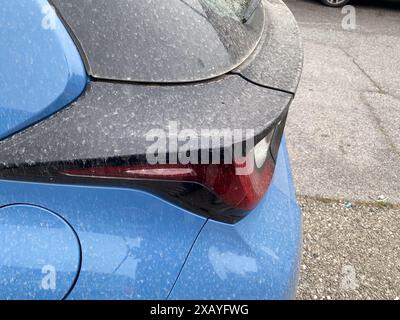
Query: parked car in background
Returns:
{"type": "Point", "coordinates": [335, 3]}
{"type": "Point", "coordinates": [91, 92]}
{"type": "Point", "coordinates": [342, 3]}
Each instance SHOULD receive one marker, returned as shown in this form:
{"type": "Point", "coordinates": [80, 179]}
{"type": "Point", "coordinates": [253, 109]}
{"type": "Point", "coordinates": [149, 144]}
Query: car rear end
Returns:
{"type": "Point", "coordinates": [170, 171]}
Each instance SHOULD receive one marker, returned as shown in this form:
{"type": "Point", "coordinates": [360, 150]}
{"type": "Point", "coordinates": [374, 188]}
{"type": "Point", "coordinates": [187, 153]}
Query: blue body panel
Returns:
{"type": "Point", "coordinates": [134, 244]}
{"type": "Point", "coordinates": [41, 70]}
{"type": "Point", "coordinates": [41, 255]}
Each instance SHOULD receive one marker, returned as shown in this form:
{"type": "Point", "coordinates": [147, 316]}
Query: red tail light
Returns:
{"type": "Point", "coordinates": [238, 186]}
{"type": "Point", "coordinates": [237, 191]}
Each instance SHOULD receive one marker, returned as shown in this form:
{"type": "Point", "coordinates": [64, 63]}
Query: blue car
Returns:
{"type": "Point", "coordinates": [142, 150]}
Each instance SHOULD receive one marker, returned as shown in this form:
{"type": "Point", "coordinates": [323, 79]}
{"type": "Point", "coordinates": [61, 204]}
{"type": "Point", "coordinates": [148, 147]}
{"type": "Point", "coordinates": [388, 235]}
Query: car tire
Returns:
{"type": "Point", "coordinates": [335, 3]}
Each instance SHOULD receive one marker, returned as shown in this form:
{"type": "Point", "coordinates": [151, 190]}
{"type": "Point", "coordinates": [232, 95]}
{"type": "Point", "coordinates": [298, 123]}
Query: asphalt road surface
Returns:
{"type": "Point", "coordinates": [344, 141]}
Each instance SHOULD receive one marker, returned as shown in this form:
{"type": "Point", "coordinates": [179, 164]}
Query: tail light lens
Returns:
{"type": "Point", "coordinates": [240, 191]}
{"type": "Point", "coordinates": [226, 192]}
